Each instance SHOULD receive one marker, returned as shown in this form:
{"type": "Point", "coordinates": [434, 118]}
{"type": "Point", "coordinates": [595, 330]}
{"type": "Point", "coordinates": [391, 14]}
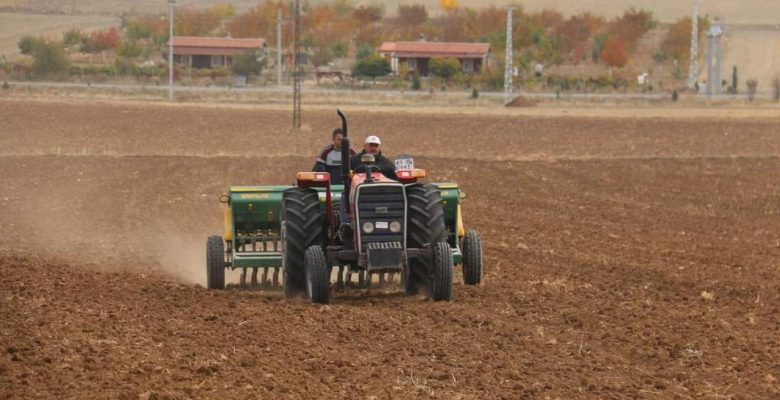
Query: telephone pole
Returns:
{"type": "Point", "coordinates": [279, 47]}
{"type": "Point", "coordinates": [509, 61]}
{"type": "Point", "coordinates": [172, 4]}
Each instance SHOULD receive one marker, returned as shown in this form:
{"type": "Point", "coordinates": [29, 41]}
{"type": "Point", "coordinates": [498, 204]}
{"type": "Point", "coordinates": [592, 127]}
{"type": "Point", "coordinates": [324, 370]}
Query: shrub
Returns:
{"type": "Point", "coordinates": [776, 88]}
{"type": "Point", "coordinates": [416, 84]}
{"type": "Point", "coordinates": [247, 64]}
{"type": "Point", "coordinates": [445, 68]}
{"type": "Point", "coordinates": [372, 67]}
{"type": "Point", "coordinates": [752, 85]}
{"type": "Point", "coordinates": [49, 58]}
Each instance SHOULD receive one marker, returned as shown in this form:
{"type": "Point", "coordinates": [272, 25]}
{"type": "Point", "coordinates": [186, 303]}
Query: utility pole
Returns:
{"type": "Point", "coordinates": [509, 62]}
{"type": "Point", "coordinates": [172, 4]}
{"type": "Point", "coordinates": [279, 47]}
{"type": "Point", "coordinates": [693, 68]}
{"type": "Point", "coordinates": [298, 69]}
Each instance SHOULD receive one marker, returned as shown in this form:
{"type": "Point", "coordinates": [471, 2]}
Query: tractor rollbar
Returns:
{"type": "Point", "coordinates": [345, 161]}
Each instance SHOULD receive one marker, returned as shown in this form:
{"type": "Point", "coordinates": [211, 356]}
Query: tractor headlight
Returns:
{"type": "Point", "coordinates": [368, 227]}
{"type": "Point", "coordinates": [395, 227]}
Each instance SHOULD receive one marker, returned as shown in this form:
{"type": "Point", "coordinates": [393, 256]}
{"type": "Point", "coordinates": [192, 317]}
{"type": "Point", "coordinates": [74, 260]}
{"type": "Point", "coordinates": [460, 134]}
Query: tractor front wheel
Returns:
{"type": "Point", "coordinates": [215, 263]}
{"type": "Point", "coordinates": [441, 279]}
{"type": "Point", "coordinates": [317, 275]}
{"type": "Point", "coordinates": [472, 258]}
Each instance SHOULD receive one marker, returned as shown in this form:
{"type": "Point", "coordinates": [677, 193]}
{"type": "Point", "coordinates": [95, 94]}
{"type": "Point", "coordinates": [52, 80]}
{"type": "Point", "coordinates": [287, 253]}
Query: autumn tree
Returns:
{"type": "Point", "coordinates": [366, 15]}
{"type": "Point", "coordinates": [101, 40]}
{"type": "Point", "coordinates": [190, 21]}
{"type": "Point", "coordinates": [412, 15]}
{"type": "Point", "coordinates": [614, 52]}
{"type": "Point", "coordinates": [631, 26]}
{"type": "Point", "coordinates": [677, 42]}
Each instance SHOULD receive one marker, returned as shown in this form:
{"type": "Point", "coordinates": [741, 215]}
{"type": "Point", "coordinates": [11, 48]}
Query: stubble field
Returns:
{"type": "Point", "coordinates": [625, 258]}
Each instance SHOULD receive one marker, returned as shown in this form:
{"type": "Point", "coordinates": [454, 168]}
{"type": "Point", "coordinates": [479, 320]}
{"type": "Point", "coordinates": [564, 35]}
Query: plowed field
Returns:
{"type": "Point", "coordinates": [625, 258]}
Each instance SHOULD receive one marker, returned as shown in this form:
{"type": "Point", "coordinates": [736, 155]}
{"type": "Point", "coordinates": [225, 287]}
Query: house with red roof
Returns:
{"type": "Point", "coordinates": [417, 55]}
{"type": "Point", "coordinates": [211, 52]}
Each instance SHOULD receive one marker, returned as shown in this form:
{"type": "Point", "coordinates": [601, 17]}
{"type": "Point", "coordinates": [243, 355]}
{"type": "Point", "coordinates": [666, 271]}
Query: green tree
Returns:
{"type": "Point", "coordinates": [364, 51]}
{"type": "Point", "coordinates": [340, 49]}
{"type": "Point", "coordinates": [73, 37]}
{"type": "Point", "coordinates": [49, 58]}
{"type": "Point", "coordinates": [444, 68]}
{"type": "Point", "coordinates": [248, 64]}
{"type": "Point", "coordinates": [372, 67]}
{"type": "Point", "coordinates": [322, 56]}
{"type": "Point", "coordinates": [27, 43]}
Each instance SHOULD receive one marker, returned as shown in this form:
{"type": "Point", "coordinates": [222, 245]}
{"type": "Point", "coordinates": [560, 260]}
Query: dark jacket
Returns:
{"type": "Point", "coordinates": [332, 165]}
{"type": "Point", "coordinates": [386, 166]}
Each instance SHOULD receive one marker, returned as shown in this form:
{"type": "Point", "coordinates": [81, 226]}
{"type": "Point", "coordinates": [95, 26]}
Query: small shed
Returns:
{"type": "Point", "coordinates": [211, 52]}
{"type": "Point", "coordinates": [417, 55]}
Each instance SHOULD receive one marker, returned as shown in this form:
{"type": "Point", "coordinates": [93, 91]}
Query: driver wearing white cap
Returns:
{"type": "Point", "coordinates": [373, 146]}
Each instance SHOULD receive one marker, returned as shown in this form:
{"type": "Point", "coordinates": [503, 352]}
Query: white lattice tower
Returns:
{"type": "Point", "coordinates": [693, 68]}
{"type": "Point", "coordinates": [508, 63]}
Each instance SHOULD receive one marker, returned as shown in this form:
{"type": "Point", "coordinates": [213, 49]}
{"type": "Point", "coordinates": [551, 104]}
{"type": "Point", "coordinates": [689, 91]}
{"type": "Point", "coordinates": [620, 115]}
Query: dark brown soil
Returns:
{"type": "Point", "coordinates": [624, 259]}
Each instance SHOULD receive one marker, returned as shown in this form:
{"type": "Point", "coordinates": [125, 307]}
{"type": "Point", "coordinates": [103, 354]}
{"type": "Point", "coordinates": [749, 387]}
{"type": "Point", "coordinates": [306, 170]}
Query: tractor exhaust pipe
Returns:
{"type": "Point", "coordinates": [345, 165]}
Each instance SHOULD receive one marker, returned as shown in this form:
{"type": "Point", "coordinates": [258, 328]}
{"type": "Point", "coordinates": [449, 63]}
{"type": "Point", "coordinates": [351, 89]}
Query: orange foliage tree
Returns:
{"type": "Point", "coordinates": [678, 40]}
{"type": "Point", "coordinates": [103, 40]}
{"type": "Point", "coordinates": [614, 52]}
{"type": "Point", "coordinates": [631, 26]}
{"type": "Point", "coordinates": [190, 21]}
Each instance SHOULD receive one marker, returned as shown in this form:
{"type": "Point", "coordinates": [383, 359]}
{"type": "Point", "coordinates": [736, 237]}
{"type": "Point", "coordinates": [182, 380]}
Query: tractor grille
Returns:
{"type": "Point", "coordinates": [381, 204]}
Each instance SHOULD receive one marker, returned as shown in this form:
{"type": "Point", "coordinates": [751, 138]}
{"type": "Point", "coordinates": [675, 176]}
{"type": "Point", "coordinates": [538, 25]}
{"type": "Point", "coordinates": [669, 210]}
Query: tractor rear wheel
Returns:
{"type": "Point", "coordinates": [425, 218]}
{"type": "Point", "coordinates": [302, 224]}
{"type": "Point", "coordinates": [472, 258]}
{"type": "Point", "coordinates": [215, 263]}
{"type": "Point", "coordinates": [317, 275]}
{"type": "Point", "coordinates": [441, 283]}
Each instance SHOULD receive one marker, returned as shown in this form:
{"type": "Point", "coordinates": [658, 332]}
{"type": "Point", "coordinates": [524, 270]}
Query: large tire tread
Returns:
{"type": "Point", "coordinates": [441, 285]}
{"type": "Point", "coordinates": [317, 276]}
{"type": "Point", "coordinates": [425, 219]}
{"type": "Point", "coordinates": [472, 258]}
{"type": "Point", "coordinates": [215, 263]}
{"type": "Point", "coordinates": [303, 221]}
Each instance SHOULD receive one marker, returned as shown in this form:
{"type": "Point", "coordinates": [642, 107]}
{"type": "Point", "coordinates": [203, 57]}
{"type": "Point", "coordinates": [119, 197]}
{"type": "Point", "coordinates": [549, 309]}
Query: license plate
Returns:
{"type": "Point", "coordinates": [404, 163]}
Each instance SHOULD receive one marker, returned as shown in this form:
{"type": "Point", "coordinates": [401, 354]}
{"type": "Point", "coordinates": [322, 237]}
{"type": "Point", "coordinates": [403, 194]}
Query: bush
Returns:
{"type": "Point", "coordinates": [444, 68]}
{"type": "Point", "coordinates": [49, 58]}
{"type": "Point", "coordinates": [247, 64]}
{"type": "Point", "coordinates": [372, 67]}
{"type": "Point", "coordinates": [675, 96]}
{"type": "Point", "coordinates": [416, 84]}
{"type": "Point", "coordinates": [776, 88]}
{"type": "Point", "coordinates": [752, 85]}
{"type": "Point", "coordinates": [27, 43]}
{"type": "Point", "coordinates": [6, 86]}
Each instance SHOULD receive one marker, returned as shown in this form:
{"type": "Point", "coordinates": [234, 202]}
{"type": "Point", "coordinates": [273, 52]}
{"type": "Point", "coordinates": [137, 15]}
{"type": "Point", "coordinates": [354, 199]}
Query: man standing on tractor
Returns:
{"type": "Point", "coordinates": [372, 146]}
{"type": "Point", "coordinates": [329, 158]}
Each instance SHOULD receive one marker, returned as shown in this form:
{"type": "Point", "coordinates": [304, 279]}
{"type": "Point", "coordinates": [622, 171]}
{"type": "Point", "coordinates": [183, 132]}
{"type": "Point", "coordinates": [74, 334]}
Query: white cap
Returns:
{"type": "Point", "coordinates": [374, 140]}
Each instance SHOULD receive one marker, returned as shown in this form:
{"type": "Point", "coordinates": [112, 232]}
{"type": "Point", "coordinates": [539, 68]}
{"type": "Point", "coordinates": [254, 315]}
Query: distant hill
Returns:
{"type": "Point", "coordinates": [763, 12]}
